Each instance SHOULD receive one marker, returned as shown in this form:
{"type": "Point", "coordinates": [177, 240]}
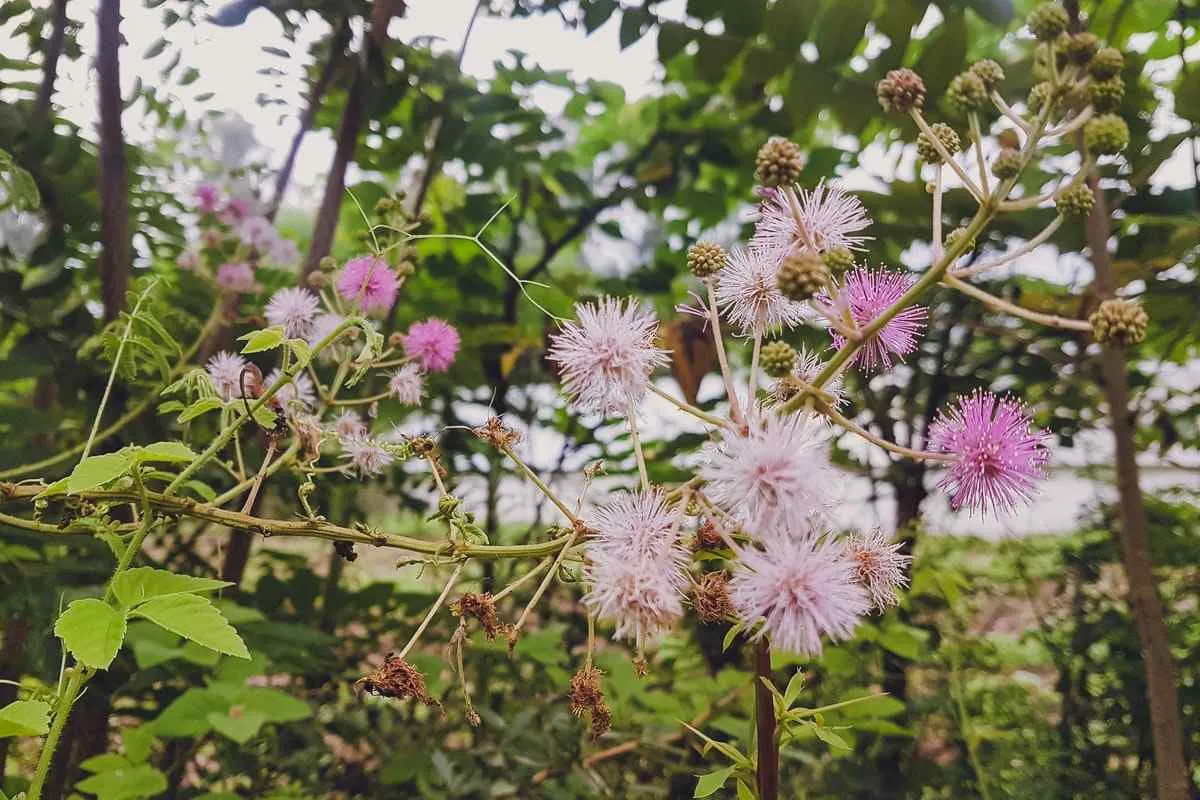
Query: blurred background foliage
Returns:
{"type": "Point", "coordinates": [1012, 667]}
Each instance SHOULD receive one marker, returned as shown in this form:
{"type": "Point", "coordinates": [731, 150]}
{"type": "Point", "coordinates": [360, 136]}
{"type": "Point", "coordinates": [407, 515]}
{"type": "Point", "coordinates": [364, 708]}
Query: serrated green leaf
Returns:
{"type": "Point", "coordinates": [711, 782]}
{"type": "Point", "coordinates": [187, 715]}
{"type": "Point", "coordinates": [260, 341]}
{"type": "Point", "coordinates": [93, 472]}
{"type": "Point", "coordinates": [166, 451]}
{"type": "Point", "coordinates": [199, 407]}
{"type": "Point", "coordinates": [92, 630]}
{"type": "Point", "coordinates": [238, 724]}
{"type": "Point", "coordinates": [194, 618]}
{"type": "Point", "coordinates": [24, 718]}
{"type": "Point", "coordinates": [126, 783]}
{"type": "Point", "coordinates": [139, 584]}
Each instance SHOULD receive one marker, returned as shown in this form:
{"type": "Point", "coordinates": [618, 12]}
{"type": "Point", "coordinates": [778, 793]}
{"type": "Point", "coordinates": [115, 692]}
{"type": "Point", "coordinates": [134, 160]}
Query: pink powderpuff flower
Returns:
{"type": "Point", "coordinates": [237, 278]}
{"type": "Point", "coordinates": [236, 210]}
{"type": "Point", "coordinates": [432, 344]}
{"type": "Point", "coordinates": [748, 294]}
{"type": "Point", "coordinates": [225, 372]}
{"type": "Point", "coordinates": [638, 572]}
{"type": "Point", "coordinates": [606, 356]}
{"type": "Point", "coordinates": [366, 456]}
{"type": "Point", "coordinates": [284, 252]}
{"type": "Point", "coordinates": [800, 590]}
{"type": "Point", "coordinates": [999, 456]}
{"type": "Point", "coordinates": [369, 283]}
{"type": "Point", "coordinates": [825, 218]}
{"type": "Point", "coordinates": [775, 478]}
{"type": "Point", "coordinates": [867, 294]}
{"type": "Point", "coordinates": [322, 326]}
{"type": "Point", "coordinates": [258, 233]}
{"type": "Point", "coordinates": [208, 198]}
{"type": "Point", "coordinates": [407, 384]}
{"type": "Point", "coordinates": [188, 259]}
{"type": "Point", "coordinates": [808, 366]}
{"type": "Point", "coordinates": [349, 425]}
{"type": "Point", "coordinates": [294, 309]}
{"type": "Point", "coordinates": [879, 566]}
{"type": "Point", "coordinates": [296, 396]}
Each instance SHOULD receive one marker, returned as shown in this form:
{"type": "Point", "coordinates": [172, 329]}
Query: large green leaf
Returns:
{"type": "Point", "coordinates": [166, 451]}
{"type": "Point", "coordinates": [94, 472]}
{"type": "Point", "coordinates": [239, 724]}
{"type": "Point", "coordinates": [24, 718]}
{"type": "Point", "coordinates": [194, 618]}
{"type": "Point", "coordinates": [92, 630]}
{"type": "Point", "coordinates": [125, 783]}
{"type": "Point", "coordinates": [139, 584]}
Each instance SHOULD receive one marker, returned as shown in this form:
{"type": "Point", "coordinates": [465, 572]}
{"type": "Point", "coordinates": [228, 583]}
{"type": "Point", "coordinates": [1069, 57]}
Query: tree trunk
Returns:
{"type": "Point", "coordinates": [764, 721]}
{"type": "Point", "coordinates": [12, 653]}
{"type": "Point", "coordinates": [116, 255]}
{"type": "Point", "coordinates": [54, 49]}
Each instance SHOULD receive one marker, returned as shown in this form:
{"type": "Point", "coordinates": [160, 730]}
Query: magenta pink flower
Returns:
{"type": "Point", "coordinates": [999, 455]}
{"type": "Point", "coordinates": [236, 210]}
{"type": "Point", "coordinates": [208, 197]}
{"type": "Point", "coordinates": [606, 355]}
{"type": "Point", "coordinates": [237, 278]}
{"type": "Point", "coordinates": [369, 283]}
{"type": "Point", "coordinates": [258, 233]}
{"type": "Point", "coordinates": [432, 344]}
{"type": "Point", "coordinates": [799, 590]}
{"type": "Point", "coordinates": [867, 293]}
{"type": "Point", "coordinates": [879, 566]}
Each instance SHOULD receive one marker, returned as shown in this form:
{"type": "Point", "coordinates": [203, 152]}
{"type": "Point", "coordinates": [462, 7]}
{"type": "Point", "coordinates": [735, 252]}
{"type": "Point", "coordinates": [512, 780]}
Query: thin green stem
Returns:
{"type": "Point", "coordinates": [687, 408]}
{"type": "Point", "coordinates": [1000, 304]}
{"type": "Point", "coordinates": [536, 480]}
{"type": "Point", "coordinates": [631, 420]}
{"type": "Point", "coordinates": [714, 319]}
{"type": "Point", "coordinates": [433, 609]}
{"type": "Point", "coordinates": [977, 140]}
{"type": "Point", "coordinates": [62, 710]}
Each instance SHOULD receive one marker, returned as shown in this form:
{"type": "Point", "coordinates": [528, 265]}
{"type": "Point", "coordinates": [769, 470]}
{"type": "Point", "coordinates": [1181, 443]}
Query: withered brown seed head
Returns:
{"type": "Point", "coordinates": [707, 537]}
{"type": "Point", "coordinates": [495, 433]}
{"type": "Point", "coordinates": [422, 445]}
{"type": "Point", "coordinates": [480, 607]}
{"type": "Point", "coordinates": [396, 678]}
{"type": "Point", "coordinates": [586, 696]}
{"type": "Point", "coordinates": [711, 598]}
{"type": "Point", "coordinates": [473, 718]}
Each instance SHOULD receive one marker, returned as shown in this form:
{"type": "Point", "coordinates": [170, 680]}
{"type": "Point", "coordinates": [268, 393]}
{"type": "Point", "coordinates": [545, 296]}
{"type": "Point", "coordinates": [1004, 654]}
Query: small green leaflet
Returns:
{"type": "Point", "coordinates": [199, 408]}
{"type": "Point", "coordinates": [710, 783]}
{"type": "Point", "coordinates": [24, 718]}
{"type": "Point", "coordinates": [166, 452]}
{"type": "Point", "coordinates": [194, 618]}
{"type": "Point", "coordinates": [126, 782]}
{"type": "Point", "coordinates": [92, 630]}
{"type": "Point", "coordinates": [136, 585]}
{"type": "Point", "coordinates": [260, 341]}
{"type": "Point", "coordinates": [238, 724]}
{"type": "Point", "coordinates": [93, 472]}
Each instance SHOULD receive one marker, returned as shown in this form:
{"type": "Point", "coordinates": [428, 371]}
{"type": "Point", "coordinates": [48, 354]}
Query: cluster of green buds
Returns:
{"type": "Point", "coordinates": [393, 231]}
{"type": "Point", "coordinates": [779, 162]}
{"type": "Point", "coordinates": [705, 259]}
{"type": "Point", "coordinates": [802, 275]}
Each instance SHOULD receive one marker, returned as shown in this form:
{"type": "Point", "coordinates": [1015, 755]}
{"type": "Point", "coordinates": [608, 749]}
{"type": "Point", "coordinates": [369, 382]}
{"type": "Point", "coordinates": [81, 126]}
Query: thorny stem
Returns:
{"type": "Point", "coordinates": [540, 484]}
{"type": "Point", "coordinates": [630, 418]}
{"type": "Point", "coordinates": [764, 721]}
{"type": "Point", "coordinates": [687, 408]}
{"type": "Point", "coordinates": [999, 304]}
{"type": "Point", "coordinates": [714, 319]}
{"type": "Point", "coordinates": [441, 598]}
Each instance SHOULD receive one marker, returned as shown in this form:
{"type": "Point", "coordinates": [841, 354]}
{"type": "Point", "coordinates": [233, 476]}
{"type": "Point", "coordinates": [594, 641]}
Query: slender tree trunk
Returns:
{"type": "Point", "coordinates": [1171, 767]}
{"type": "Point", "coordinates": [764, 721]}
{"type": "Point", "coordinates": [54, 49]}
{"type": "Point", "coordinates": [116, 255]}
{"type": "Point", "coordinates": [337, 46]}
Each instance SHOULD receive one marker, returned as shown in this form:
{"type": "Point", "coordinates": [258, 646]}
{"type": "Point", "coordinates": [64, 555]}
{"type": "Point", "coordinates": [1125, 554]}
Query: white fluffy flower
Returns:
{"type": "Point", "coordinates": [225, 372]}
{"type": "Point", "coordinates": [605, 357]}
{"type": "Point", "coordinates": [293, 309]}
{"type": "Point", "coordinates": [775, 478]}
{"type": "Point", "coordinates": [748, 292]}
{"type": "Point", "coordinates": [824, 218]}
{"type": "Point", "coordinates": [366, 456]}
{"type": "Point", "coordinates": [297, 395]}
{"type": "Point", "coordinates": [407, 384]}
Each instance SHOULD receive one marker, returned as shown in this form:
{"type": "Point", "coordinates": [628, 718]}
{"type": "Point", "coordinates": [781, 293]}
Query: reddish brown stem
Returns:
{"type": "Point", "coordinates": [54, 49]}
{"type": "Point", "coordinates": [116, 255]}
{"type": "Point", "coordinates": [764, 719]}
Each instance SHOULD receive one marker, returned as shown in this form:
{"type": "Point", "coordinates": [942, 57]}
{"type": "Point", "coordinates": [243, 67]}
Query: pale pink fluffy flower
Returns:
{"type": "Point", "coordinates": [999, 454]}
{"type": "Point", "coordinates": [188, 259]}
{"type": "Point", "coordinates": [258, 233]}
{"type": "Point", "coordinates": [748, 293]}
{"type": "Point", "coordinates": [808, 366]}
{"type": "Point", "coordinates": [295, 396]}
{"type": "Point", "coordinates": [237, 278]}
{"type": "Point", "coordinates": [322, 326]}
{"type": "Point", "coordinates": [284, 251]}
{"type": "Point", "coordinates": [366, 456]}
{"type": "Point", "coordinates": [605, 357]}
{"type": "Point", "coordinates": [828, 218]}
{"type": "Point", "coordinates": [407, 384]}
{"type": "Point", "coordinates": [236, 210]}
{"type": "Point", "coordinates": [867, 293]}
{"type": "Point", "coordinates": [293, 309]}
{"type": "Point", "coordinates": [879, 566]}
{"type": "Point", "coordinates": [800, 590]}
{"type": "Point", "coordinates": [432, 344]}
{"type": "Point", "coordinates": [349, 425]}
{"type": "Point", "coordinates": [638, 570]}
{"type": "Point", "coordinates": [207, 197]}
{"type": "Point", "coordinates": [776, 478]}
{"type": "Point", "coordinates": [225, 372]}
{"type": "Point", "coordinates": [369, 283]}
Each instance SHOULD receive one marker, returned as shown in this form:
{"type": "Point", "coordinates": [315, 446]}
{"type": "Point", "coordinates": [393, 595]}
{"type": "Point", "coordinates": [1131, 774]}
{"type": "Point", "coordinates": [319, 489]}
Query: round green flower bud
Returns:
{"type": "Point", "coordinates": [317, 280]}
{"type": "Point", "coordinates": [1107, 62]}
{"type": "Point", "coordinates": [946, 135]}
{"type": "Point", "coordinates": [705, 259]}
{"type": "Point", "coordinates": [1080, 47]}
{"type": "Point", "coordinates": [1006, 164]}
{"type": "Point", "coordinates": [1048, 22]}
{"type": "Point", "coordinates": [1039, 95]}
{"type": "Point", "coordinates": [405, 268]}
{"type": "Point", "coordinates": [967, 92]}
{"type": "Point", "coordinates": [778, 359]}
{"type": "Point", "coordinates": [802, 275]}
{"type": "Point", "coordinates": [901, 90]}
{"type": "Point", "coordinates": [327, 264]}
{"type": "Point", "coordinates": [955, 237]}
{"type": "Point", "coordinates": [989, 72]}
{"type": "Point", "coordinates": [1107, 95]}
{"type": "Point", "coordinates": [1106, 135]}
{"type": "Point", "coordinates": [1120, 322]}
{"type": "Point", "coordinates": [1076, 201]}
{"type": "Point", "coordinates": [838, 259]}
{"type": "Point", "coordinates": [779, 162]}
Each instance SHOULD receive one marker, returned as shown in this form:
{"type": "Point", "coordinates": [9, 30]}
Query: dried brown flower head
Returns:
{"type": "Point", "coordinates": [396, 678]}
{"type": "Point", "coordinates": [497, 434]}
{"type": "Point", "coordinates": [711, 598]}
{"type": "Point", "coordinates": [481, 607]}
